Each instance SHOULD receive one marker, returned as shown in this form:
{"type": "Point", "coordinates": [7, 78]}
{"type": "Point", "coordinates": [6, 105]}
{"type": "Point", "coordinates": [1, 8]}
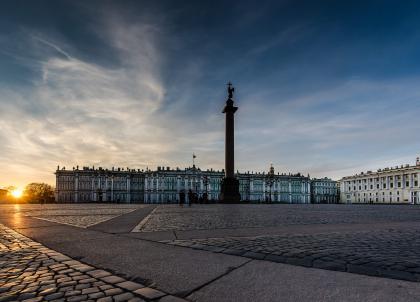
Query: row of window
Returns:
{"type": "Point", "coordinates": [382, 179]}
{"type": "Point", "coordinates": [384, 186]}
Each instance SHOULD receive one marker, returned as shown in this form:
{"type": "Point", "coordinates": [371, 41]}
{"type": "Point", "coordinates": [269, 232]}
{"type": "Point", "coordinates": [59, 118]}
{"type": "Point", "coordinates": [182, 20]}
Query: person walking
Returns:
{"type": "Point", "coordinates": [190, 197]}
{"type": "Point", "coordinates": [181, 198]}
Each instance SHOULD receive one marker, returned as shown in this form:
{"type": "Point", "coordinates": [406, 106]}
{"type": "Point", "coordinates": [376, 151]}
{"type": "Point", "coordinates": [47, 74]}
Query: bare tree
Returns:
{"type": "Point", "coordinates": [39, 192]}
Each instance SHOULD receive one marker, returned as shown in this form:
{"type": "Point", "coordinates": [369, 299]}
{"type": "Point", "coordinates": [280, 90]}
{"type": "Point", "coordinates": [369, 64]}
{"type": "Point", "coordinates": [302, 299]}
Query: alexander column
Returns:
{"type": "Point", "coordinates": [230, 185]}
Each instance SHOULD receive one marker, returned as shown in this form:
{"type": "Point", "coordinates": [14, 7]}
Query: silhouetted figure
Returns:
{"type": "Point", "coordinates": [181, 198]}
{"type": "Point", "coordinates": [205, 198]}
{"type": "Point", "coordinates": [190, 197]}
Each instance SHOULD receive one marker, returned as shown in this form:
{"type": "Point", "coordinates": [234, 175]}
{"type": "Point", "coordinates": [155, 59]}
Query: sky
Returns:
{"type": "Point", "coordinates": [326, 88]}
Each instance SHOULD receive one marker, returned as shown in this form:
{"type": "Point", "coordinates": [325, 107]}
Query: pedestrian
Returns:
{"type": "Point", "coordinates": [190, 197]}
{"type": "Point", "coordinates": [181, 198]}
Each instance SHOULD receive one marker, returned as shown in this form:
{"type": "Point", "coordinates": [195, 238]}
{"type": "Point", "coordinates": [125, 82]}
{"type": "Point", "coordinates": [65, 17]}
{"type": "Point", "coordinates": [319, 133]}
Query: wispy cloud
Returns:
{"type": "Point", "coordinates": [78, 112]}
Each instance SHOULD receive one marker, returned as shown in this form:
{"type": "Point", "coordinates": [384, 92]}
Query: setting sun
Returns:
{"type": "Point", "coordinates": [17, 193]}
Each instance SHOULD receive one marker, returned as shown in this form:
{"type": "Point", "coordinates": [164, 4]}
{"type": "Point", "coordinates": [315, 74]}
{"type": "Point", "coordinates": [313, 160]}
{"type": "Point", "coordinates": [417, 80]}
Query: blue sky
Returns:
{"type": "Point", "coordinates": [323, 87]}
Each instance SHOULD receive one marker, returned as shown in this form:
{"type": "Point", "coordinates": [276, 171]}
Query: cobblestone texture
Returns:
{"type": "Point", "coordinates": [80, 215]}
{"type": "Point", "coordinates": [31, 272]}
{"type": "Point", "coordinates": [388, 253]}
{"type": "Point", "coordinates": [208, 217]}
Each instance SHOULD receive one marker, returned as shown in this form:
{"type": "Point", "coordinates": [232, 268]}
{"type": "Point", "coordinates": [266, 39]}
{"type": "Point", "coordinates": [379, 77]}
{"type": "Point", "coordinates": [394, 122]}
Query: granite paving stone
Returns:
{"type": "Point", "coordinates": [98, 273]}
{"type": "Point", "coordinates": [96, 295]}
{"type": "Point", "coordinates": [123, 297]}
{"type": "Point", "coordinates": [130, 285]}
{"type": "Point", "coordinates": [105, 299]}
{"type": "Point", "coordinates": [149, 293]}
{"type": "Point", "coordinates": [113, 291]}
{"type": "Point", "coordinates": [113, 279]}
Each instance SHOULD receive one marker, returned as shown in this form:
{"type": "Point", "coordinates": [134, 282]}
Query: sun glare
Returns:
{"type": "Point", "coordinates": [17, 193]}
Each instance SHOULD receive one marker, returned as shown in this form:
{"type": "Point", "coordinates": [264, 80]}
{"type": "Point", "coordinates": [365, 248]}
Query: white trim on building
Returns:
{"type": "Point", "coordinates": [400, 184]}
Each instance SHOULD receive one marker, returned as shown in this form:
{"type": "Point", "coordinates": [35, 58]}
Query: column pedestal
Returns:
{"type": "Point", "coordinates": [230, 191]}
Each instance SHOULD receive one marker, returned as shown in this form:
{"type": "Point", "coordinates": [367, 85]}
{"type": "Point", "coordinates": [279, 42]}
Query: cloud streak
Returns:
{"type": "Point", "coordinates": [78, 112]}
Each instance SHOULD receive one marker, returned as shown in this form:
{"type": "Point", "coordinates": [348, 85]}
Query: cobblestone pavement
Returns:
{"type": "Point", "coordinates": [387, 253]}
{"type": "Point", "coordinates": [31, 272]}
{"type": "Point", "coordinates": [208, 217]}
{"type": "Point", "coordinates": [80, 215]}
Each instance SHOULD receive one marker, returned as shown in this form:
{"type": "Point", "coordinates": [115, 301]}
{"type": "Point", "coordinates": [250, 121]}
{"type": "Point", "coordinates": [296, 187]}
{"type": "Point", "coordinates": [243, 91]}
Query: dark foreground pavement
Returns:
{"type": "Point", "coordinates": [214, 252]}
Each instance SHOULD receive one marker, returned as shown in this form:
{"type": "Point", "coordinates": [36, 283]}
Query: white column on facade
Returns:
{"type": "Point", "coordinates": [290, 191]}
{"type": "Point", "coordinates": [76, 188]}
{"type": "Point", "coordinates": [112, 187]}
{"type": "Point", "coordinates": [145, 197]}
{"type": "Point", "coordinates": [302, 191]}
{"type": "Point", "coordinates": [92, 192]}
{"type": "Point", "coordinates": [263, 190]}
{"type": "Point", "coordinates": [105, 191]}
{"type": "Point", "coordinates": [178, 188]}
{"type": "Point", "coordinates": [308, 191]}
{"type": "Point", "coordinates": [57, 188]}
{"type": "Point", "coordinates": [128, 195]}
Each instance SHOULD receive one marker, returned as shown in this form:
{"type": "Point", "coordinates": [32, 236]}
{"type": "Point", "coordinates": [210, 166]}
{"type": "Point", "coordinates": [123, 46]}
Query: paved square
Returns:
{"type": "Point", "coordinates": [208, 217]}
{"type": "Point", "coordinates": [77, 215]}
{"type": "Point", "coordinates": [168, 252]}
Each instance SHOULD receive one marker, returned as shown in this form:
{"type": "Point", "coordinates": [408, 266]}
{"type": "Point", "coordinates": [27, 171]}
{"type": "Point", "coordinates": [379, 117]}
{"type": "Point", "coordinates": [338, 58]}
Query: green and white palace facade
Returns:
{"type": "Point", "coordinates": [165, 185]}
